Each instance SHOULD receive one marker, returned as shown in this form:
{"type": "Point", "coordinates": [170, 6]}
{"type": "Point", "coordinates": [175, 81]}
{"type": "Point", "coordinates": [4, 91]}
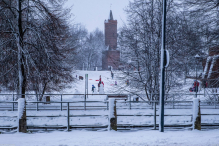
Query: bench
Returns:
{"type": "Point", "coordinates": [118, 97]}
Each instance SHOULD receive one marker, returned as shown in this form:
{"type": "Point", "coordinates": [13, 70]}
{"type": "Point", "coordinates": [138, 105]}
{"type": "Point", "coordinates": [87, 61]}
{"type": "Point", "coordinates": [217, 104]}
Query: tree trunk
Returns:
{"type": "Point", "coordinates": [44, 89]}
{"type": "Point", "coordinates": [21, 69]}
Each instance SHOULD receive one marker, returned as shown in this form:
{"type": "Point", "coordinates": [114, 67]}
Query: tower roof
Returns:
{"type": "Point", "coordinates": [111, 15]}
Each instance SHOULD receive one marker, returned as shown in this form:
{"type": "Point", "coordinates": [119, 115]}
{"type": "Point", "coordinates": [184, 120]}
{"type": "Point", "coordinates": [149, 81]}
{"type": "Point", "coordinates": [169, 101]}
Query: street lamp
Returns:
{"type": "Point", "coordinates": [196, 87]}
{"type": "Point", "coordinates": [162, 66]}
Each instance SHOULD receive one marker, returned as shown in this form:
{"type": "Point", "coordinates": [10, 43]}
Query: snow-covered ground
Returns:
{"type": "Point", "coordinates": [107, 138]}
{"type": "Point", "coordinates": [112, 138]}
{"type": "Point", "coordinates": [78, 87]}
{"type": "Point", "coordinates": [93, 79]}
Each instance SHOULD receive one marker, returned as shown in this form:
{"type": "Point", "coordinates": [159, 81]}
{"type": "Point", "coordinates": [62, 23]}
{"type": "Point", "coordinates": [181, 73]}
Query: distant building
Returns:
{"type": "Point", "coordinates": [111, 56]}
{"type": "Point", "coordinates": [211, 68]}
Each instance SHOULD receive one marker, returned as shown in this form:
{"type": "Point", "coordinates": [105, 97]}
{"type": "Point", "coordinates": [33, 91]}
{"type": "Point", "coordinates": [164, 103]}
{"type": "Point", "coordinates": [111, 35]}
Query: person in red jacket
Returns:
{"type": "Point", "coordinates": [100, 80]}
{"type": "Point", "coordinates": [195, 85]}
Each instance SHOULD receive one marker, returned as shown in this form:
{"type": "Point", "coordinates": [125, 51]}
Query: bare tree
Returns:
{"type": "Point", "coordinates": [38, 35]}
{"type": "Point", "coordinates": [140, 43]}
{"type": "Point", "coordinates": [91, 50]}
{"type": "Point", "coordinates": [207, 11]}
{"type": "Point", "coordinates": [35, 36]}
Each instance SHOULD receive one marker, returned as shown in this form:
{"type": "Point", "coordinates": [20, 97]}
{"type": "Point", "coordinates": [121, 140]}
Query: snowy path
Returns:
{"type": "Point", "coordinates": [105, 138]}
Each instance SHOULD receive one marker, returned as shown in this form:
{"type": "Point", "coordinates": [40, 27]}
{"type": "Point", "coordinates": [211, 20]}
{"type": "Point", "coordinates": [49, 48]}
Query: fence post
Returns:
{"type": "Point", "coordinates": [155, 114]}
{"type": "Point", "coordinates": [86, 90]}
{"type": "Point", "coordinates": [37, 103]}
{"type": "Point", "coordinates": [61, 102]}
{"type": "Point", "coordinates": [130, 106]}
{"type": "Point", "coordinates": [215, 101]}
{"type": "Point", "coordinates": [13, 103]}
{"type": "Point", "coordinates": [112, 125]}
{"type": "Point", "coordinates": [173, 101]}
{"type": "Point", "coordinates": [85, 102]}
{"type": "Point", "coordinates": [68, 122]}
{"type": "Point", "coordinates": [196, 114]}
{"type": "Point", "coordinates": [151, 102]}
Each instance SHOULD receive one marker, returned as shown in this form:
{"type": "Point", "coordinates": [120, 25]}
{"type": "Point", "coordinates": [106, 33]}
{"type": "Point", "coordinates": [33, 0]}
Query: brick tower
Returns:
{"type": "Point", "coordinates": [111, 56]}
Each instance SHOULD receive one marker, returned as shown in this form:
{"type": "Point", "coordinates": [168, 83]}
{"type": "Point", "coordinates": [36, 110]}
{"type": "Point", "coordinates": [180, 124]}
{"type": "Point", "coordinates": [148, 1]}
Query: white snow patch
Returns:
{"type": "Point", "coordinates": [111, 108]}
{"type": "Point", "coordinates": [21, 105]}
{"type": "Point", "coordinates": [195, 110]}
{"type": "Point", "coordinates": [105, 138]}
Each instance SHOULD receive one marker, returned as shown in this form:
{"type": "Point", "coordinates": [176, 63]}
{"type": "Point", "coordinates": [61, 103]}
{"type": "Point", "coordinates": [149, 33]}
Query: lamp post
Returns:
{"type": "Point", "coordinates": [162, 66]}
{"type": "Point", "coordinates": [196, 62]}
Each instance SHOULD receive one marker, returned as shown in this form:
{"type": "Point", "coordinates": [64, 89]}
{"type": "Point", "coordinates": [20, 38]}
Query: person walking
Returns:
{"type": "Point", "coordinates": [115, 82]}
{"type": "Point", "coordinates": [100, 80]}
{"type": "Point", "coordinates": [93, 87]}
{"type": "Point", "coordinates": [112, 74]}
{"type": "Point", "coordinates": [196, 85]}
{"type": "Point", "coordinates": [98, 86]}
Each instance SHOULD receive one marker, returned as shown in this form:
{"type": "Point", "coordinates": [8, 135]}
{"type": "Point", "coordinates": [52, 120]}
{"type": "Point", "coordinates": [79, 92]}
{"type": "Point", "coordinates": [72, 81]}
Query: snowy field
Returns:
{"type": "Point", "coordinates": [109, 83]}
{"type": "Point", "coordinates": [78, 87]}
{"type": "Point", "coordinates": [112, 138]}
{"type": "Point", "coordinates": [102, 137]}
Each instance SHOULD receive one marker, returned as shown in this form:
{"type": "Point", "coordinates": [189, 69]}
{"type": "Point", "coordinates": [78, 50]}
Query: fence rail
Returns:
{"type": "Point", "coordinates": [59, 102]}
{"type": "Point", "coordinates": [67, 107]}
{"type": "Point", "coordinates": [93, 105]}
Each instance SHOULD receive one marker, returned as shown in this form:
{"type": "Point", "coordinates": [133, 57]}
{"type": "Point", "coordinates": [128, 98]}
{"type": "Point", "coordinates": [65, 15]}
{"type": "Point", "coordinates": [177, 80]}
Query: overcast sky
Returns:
{"type": "Point", "coordinates": [92, 13]}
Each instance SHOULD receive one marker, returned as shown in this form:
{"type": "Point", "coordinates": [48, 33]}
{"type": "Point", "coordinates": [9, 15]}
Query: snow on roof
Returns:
{"type": "Point", "coordinates": [210, 61]}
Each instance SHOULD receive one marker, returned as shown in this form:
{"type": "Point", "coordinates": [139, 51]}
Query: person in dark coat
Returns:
{"type": "Point", "coordinates": [100, 80]}
{"type": "Point", "coordinates": [93, 88]}
{"type": "Point", "coordinates": [112, 74]}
